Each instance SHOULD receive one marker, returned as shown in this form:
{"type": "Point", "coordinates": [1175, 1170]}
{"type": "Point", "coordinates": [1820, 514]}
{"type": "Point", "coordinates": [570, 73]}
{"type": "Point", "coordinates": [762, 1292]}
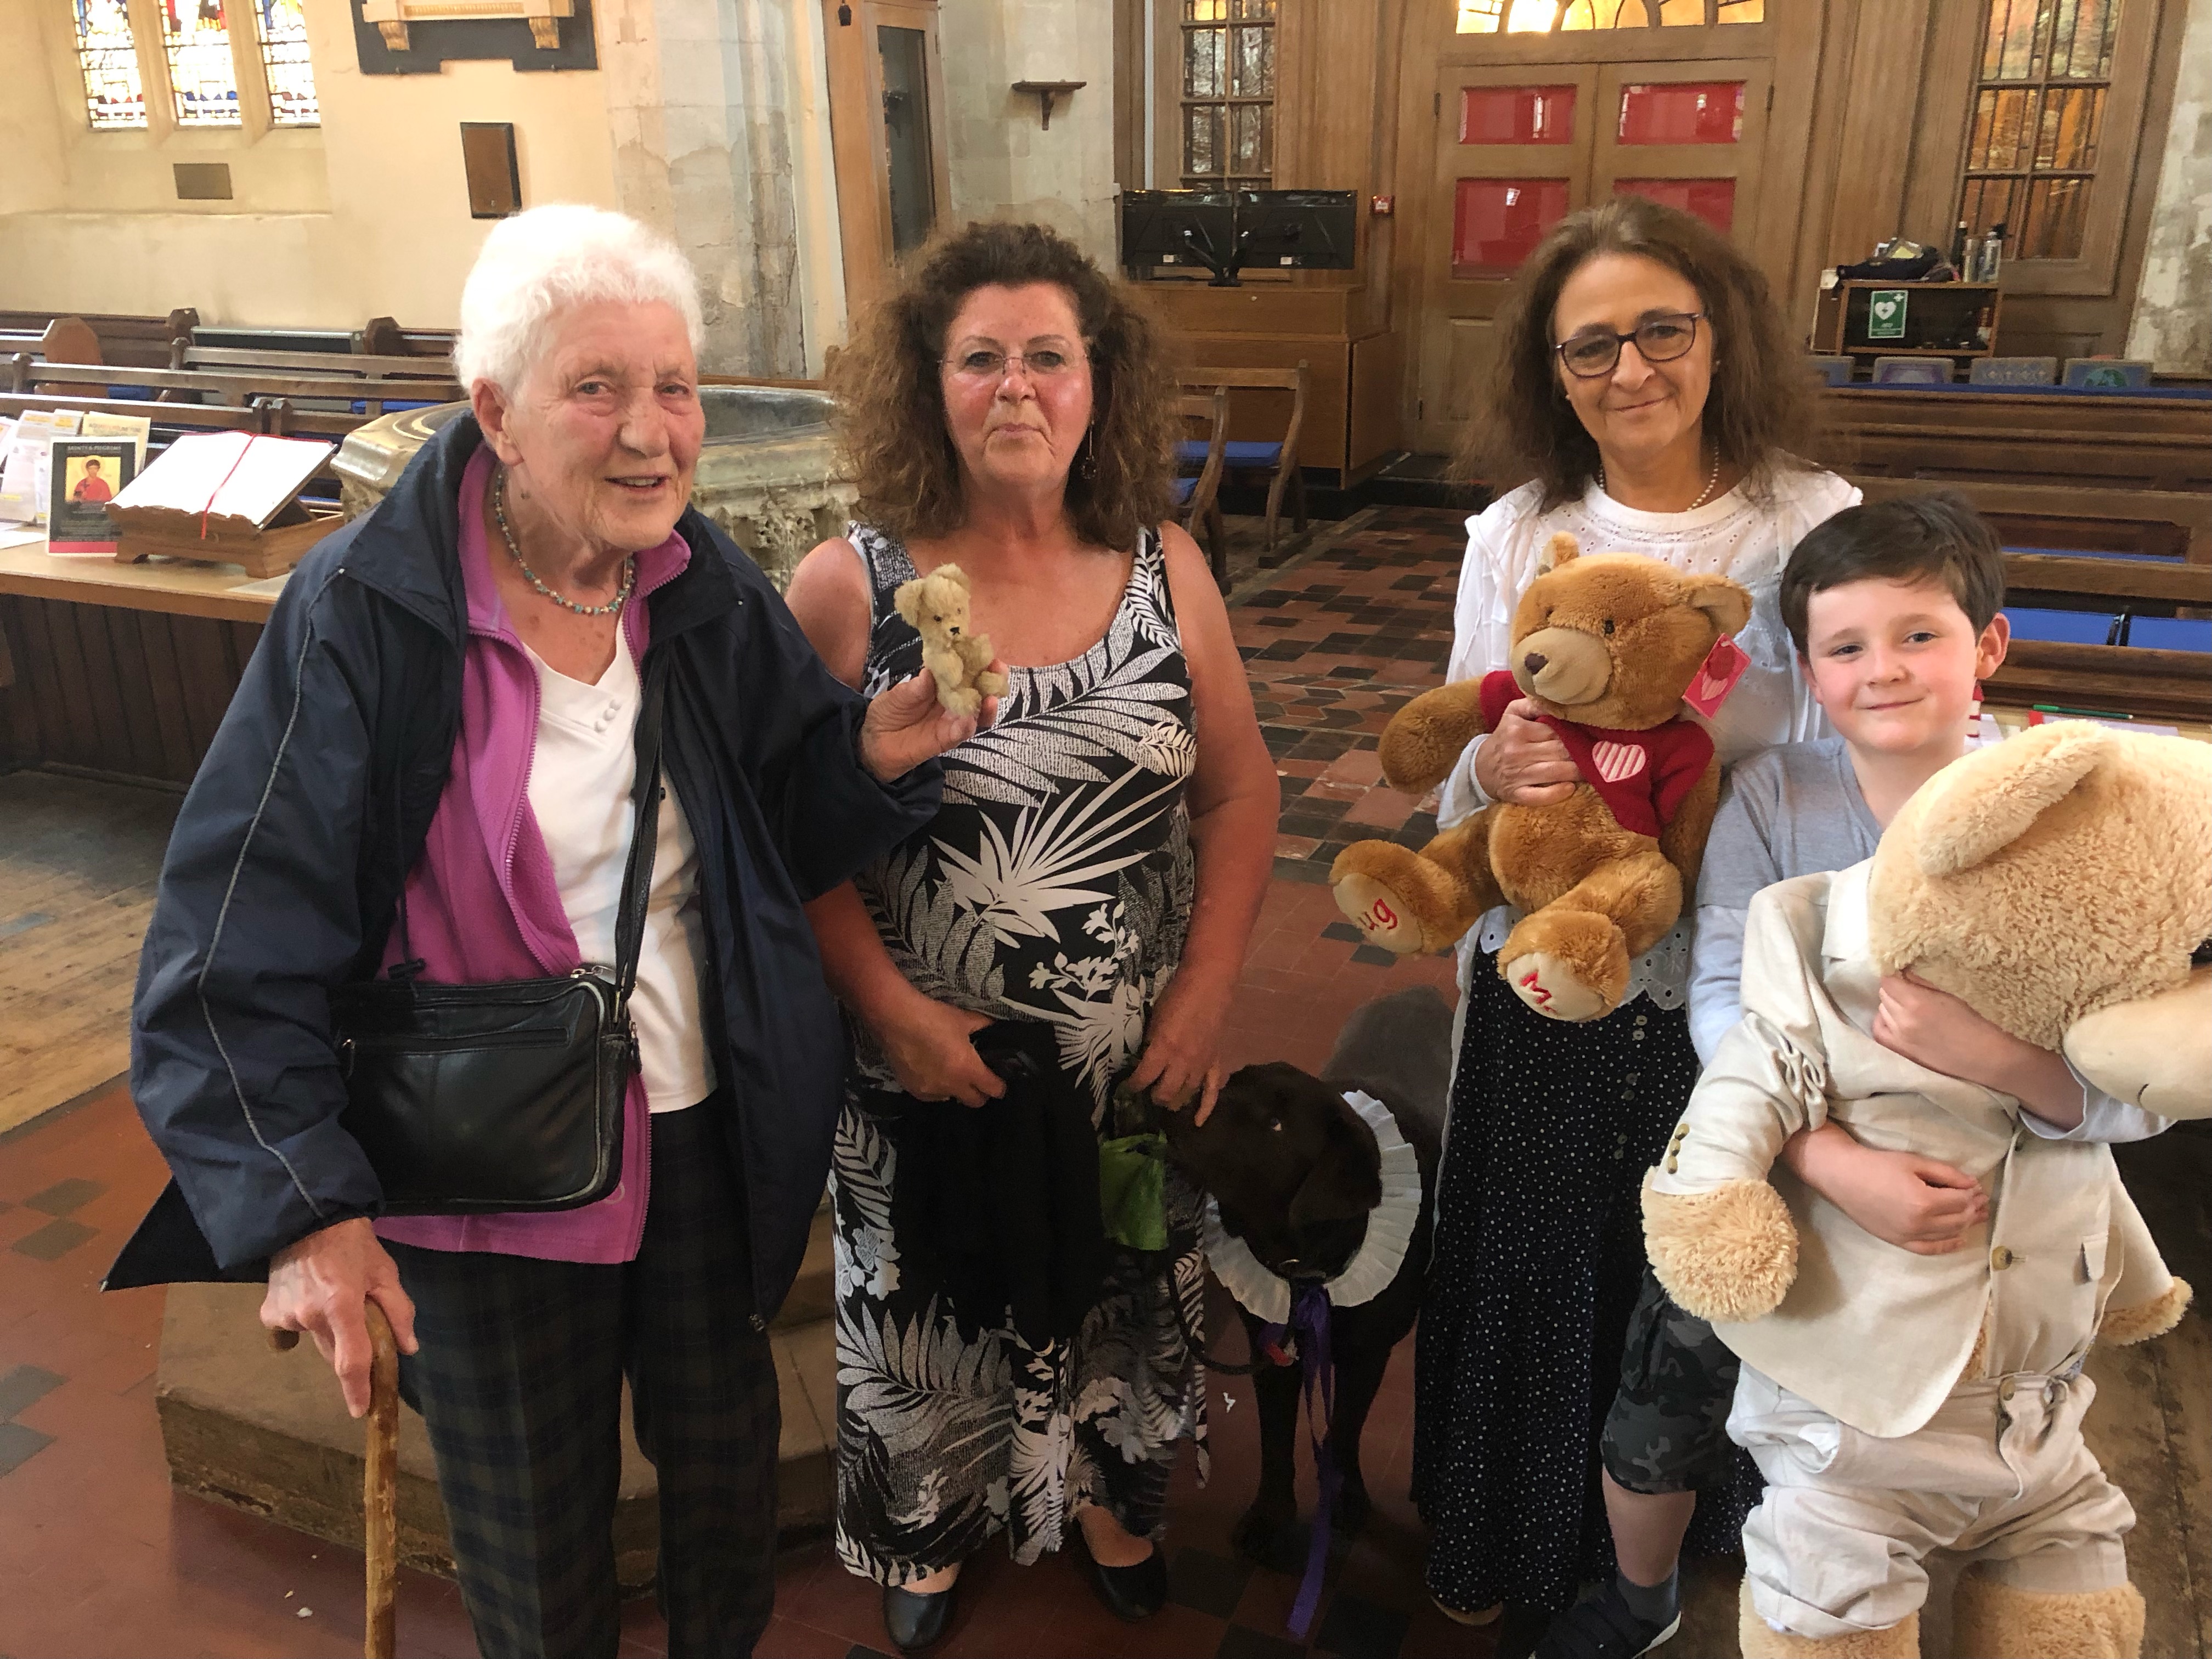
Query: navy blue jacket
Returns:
{"type": "Point", "coordinates": [284, 872]}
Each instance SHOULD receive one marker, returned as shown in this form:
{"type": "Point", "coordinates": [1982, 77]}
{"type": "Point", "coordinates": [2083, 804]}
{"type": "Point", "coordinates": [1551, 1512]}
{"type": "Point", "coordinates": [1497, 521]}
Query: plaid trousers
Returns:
{"type": "Point", "coordinates": [519, 1380]}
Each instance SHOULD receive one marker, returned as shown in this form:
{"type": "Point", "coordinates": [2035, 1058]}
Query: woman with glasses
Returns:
{"type": "Point", "coordinates": [1648, 390]}
{"type": "Point", "coordinates": [1088, 885]}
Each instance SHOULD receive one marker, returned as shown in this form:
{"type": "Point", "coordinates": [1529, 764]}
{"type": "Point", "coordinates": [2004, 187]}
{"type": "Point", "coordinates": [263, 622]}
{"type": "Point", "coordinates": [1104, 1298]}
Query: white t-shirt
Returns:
{"type": "Point", "coordinates": [1734, 537]}
{"type": "Point", "coordinates": [579, 785]}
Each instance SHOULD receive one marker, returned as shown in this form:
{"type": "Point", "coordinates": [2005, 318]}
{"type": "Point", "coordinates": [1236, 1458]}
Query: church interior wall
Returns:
{"type": "Point", "coordinates": [1004, 162]}
{"type": "Point", "coordinates": [366, 216]}
{"type": "Point", "coordinates": [2172, 320]}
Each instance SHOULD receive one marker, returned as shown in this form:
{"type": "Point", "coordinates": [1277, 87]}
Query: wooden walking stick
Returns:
{"type": "Point", "coordinates": [379, 1483]}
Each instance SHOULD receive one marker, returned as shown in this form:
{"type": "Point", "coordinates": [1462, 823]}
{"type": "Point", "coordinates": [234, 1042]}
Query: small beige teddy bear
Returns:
{"type": "Point", "coordinates": [936, 607]}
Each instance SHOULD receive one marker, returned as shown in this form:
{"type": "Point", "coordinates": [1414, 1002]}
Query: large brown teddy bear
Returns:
{"type": "Point", "coordinates": [1606, 645]}
{"type": "Point", "coordinates": [2060, 884]}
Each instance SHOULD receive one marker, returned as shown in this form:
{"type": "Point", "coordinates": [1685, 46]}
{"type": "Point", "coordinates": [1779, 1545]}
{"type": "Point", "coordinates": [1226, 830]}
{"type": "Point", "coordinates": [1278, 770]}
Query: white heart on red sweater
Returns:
{"type": "Point", "coordinates": [1616, 760]}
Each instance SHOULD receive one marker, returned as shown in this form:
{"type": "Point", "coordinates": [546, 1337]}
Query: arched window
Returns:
{"type": "Point", "coordinates": [203, 62]}
{"type": "Point", "coordinates": [203, 80]}
{"type": "Point", "coordinates": [282, 28]}
{"type": "Point", "coordinates": [107, 56]}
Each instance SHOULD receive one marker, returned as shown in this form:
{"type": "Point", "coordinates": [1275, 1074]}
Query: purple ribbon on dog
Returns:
{"type": "Point", "coordinates": [1308, 1325]}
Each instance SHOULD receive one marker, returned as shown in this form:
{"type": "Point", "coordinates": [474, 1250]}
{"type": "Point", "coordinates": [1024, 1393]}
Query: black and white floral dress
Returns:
{"type": "Point", "coordinates": [1053, 885]}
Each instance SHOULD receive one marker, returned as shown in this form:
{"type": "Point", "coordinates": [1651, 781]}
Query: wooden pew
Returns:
{"type": "Point", "coordinates": [201, 386]}
{"type": "Point", "coordinates": [2134, 552]}
{"type": "Point", "coordinates": [382, 336]}
{"type": "Point", "coordinates": [1938, 412]}
{"type": "Point", "coordinates": [320, 365]}
{"type": "Point", "coordinates": [135, 342]}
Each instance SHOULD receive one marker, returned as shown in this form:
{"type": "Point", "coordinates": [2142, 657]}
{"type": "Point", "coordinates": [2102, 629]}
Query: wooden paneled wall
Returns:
{"type": "Point", "coordinates": [1879, 92]}
{"type": "Point", "coordinates": [126, 694]}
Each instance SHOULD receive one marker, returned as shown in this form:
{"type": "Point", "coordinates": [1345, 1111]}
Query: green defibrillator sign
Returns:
{"type": "Point", "coordinates": [1886, 313]}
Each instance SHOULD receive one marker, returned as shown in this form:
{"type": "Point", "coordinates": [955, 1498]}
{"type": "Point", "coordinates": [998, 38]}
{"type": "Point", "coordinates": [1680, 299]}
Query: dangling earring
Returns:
{"type": "Point", "coordinates": [1086, 458]}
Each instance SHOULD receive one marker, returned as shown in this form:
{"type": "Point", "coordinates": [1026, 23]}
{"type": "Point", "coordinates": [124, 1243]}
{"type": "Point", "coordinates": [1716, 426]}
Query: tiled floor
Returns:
{"type": "Point", "coordinates": [97, 1557]}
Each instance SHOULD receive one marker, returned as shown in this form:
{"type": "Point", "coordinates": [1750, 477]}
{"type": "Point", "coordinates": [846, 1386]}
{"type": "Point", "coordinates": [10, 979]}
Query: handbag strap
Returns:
{"type": "Point", "coordinates": [637, 867]}
{"type": "Point", "coordinates": [646, 793]}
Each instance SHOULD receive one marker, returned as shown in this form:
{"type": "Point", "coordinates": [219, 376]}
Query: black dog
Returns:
{"type": "Point", "coordinates": [1295, 1172]}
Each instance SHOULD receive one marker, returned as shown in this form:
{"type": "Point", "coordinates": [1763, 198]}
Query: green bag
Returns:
{"type": "Point", "coordinates": [1132, 1191]}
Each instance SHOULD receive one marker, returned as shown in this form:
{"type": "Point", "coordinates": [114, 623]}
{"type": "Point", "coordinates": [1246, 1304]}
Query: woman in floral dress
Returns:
{"type": "Point", "coordinates": [1096, 867]}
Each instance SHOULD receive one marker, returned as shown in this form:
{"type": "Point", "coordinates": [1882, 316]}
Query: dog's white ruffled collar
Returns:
{"type": "Point", "coordinates": [1267, 1294]}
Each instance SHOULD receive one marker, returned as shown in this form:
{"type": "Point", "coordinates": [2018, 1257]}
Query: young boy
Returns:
{"type": "Point", "coordinates": [1894, 610]}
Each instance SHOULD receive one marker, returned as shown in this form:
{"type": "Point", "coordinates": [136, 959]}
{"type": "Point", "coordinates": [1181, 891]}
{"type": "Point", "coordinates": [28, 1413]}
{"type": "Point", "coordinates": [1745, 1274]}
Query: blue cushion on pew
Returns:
{"type": "Point", "coordinates": [2196, 393]}
{"type": "Point", "coordinates": [136, 394]}
{"type": "Point", "coordinates": [2171, 632]}
{"type": "Point", "coordinates": [1184, 490]}
{"type": "Point", "coordinates": [1235, 452]}
{"type": "Point", "coordinates": [2101, 553]}
{"type": "Point", "coordinates": [391, 405]}
{"type": "Point", "coordinates": [2059, 627]}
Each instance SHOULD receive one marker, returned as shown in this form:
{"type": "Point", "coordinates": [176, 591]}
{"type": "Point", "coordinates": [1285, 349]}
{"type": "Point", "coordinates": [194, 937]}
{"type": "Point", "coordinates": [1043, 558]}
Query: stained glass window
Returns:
{"type": "Point", "coordinates": [1228, 93]}
{"type": "Point", "coordinates": [2039, 111]}
{"type": "Point", "coordinates": [196, 34]}
{"type": "Point", "coordinates": [282, 26]}
{"type": "Point", "coordinates": [109, 59]}
{"type": "Point", "coordinates": [1570, 16]}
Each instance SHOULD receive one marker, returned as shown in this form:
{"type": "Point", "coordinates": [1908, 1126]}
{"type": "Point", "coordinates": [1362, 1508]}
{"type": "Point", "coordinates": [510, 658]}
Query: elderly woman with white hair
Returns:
{"type": "Point", "coordinates": [428, 773]}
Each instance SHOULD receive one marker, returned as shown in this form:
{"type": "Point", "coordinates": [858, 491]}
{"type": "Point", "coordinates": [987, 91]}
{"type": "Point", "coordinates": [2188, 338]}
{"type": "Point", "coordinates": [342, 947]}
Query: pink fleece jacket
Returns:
{"type": "Point", "coordinates": [483, 905]}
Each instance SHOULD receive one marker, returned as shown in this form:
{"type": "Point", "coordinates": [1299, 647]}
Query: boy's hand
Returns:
{"type": "Point", "coordinates": [1918, 1203]}
{"type": "Point", "coordinates": [1935, 1028]}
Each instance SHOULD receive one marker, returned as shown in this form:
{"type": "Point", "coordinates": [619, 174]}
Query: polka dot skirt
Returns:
{"type": "Point", "coordinates": [1538, 1254]}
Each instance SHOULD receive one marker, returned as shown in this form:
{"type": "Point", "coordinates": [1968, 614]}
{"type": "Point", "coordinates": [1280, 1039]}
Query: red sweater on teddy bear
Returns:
{"type": "Point", "coordinates": [1642, 777]}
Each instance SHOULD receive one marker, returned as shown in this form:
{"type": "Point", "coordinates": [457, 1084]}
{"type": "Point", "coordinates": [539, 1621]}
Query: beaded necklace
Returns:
{"type": "Point", "coordinates": [514, 551]}
{"type": "Point", "coordinates": [1712, 481]}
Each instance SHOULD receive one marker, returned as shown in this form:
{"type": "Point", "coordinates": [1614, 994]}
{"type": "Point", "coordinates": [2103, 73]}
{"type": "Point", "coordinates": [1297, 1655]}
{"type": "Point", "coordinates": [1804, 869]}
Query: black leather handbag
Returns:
{"type": "Point", "coordinates": [476, 1098]}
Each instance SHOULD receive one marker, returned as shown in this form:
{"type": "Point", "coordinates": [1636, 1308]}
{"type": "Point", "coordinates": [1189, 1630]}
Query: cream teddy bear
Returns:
{"type": "Point", "coordinates": [936, 607]}
{"type": "Point", "coordinates": [2060, 884]}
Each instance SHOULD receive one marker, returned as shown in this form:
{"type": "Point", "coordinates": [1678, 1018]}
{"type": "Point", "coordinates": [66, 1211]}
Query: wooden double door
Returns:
{"type": "Point", "coordinates": [1524, 129]}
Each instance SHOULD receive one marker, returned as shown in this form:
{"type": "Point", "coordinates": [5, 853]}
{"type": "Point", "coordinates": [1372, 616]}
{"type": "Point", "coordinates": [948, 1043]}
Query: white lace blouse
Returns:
{"type": "Point", "coordinates": [1735, 537]}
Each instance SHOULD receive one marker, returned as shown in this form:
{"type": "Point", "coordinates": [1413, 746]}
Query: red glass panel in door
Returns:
{"type": "Point", "coordinates": [1516, 115]}
{"type": "Point", "coordinates": [1712, 200]}
{"type": "Point", "coordinates": [1497, 222]}
{"type": "Point", "coordinates": [1682, 112]}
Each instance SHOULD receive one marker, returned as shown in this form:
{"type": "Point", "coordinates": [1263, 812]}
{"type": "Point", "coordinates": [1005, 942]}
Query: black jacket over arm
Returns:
{"type": "Point", "coordinates": [283, 873]}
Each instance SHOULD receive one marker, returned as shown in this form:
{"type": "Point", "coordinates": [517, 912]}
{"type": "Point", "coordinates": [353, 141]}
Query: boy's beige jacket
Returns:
{"type": "Point", "coordinates": [1871, 1333]}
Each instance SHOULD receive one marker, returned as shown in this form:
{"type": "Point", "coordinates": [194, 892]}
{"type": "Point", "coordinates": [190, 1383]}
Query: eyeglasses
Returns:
{"type": "Point", "coordinates": [1658, 340]}
{"type": "Point", "coordinates": [981, 365]}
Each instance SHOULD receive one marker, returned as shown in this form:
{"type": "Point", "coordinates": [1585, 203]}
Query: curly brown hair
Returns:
{"type": "Point", "coordinates": [890, 410]}
{"type": "Point", "coordinates": [1761, 409]}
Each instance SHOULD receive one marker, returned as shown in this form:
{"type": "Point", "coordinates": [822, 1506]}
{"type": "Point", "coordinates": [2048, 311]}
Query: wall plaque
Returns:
{"type": "Point", "coordinates": [414, 36]}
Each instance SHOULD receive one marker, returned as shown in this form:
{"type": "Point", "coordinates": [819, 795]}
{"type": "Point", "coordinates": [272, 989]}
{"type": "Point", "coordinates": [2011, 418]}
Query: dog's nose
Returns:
{"type": "Point", "coordinates": [1534, 661]}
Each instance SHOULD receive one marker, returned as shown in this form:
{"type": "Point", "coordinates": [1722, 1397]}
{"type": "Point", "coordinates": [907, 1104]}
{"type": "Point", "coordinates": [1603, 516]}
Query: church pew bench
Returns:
{"type": "Point", "coordinates": [136, 342]}
{"type": "Point", "coordinates": [363, 396]}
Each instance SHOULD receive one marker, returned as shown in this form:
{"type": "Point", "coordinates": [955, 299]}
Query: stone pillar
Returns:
{"type": "Point", "coordinates": [708, 116]}
{"type": "Point", "coordinates": [1004, 163]}
{"type": "Point", "coordinates": [2173, 323]}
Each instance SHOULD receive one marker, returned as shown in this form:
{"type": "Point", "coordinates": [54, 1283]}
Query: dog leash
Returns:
{"type": "Point", "coordinates": [1308, 1334]}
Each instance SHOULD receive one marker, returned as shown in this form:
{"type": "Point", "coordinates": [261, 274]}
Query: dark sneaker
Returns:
{"type": "Point", "coordinates": [1602, 1627]}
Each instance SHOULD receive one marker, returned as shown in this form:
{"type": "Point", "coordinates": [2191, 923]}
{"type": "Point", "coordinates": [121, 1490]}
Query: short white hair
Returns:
{"type": "Point", "coordinates": [549, 258]}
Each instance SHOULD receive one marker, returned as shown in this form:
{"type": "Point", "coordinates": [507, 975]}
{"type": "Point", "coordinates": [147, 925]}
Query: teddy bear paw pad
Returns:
{"type": "Point", "coordinates": [1549, 985]}
{"type": "Point", "coordinates": [1379, 914]}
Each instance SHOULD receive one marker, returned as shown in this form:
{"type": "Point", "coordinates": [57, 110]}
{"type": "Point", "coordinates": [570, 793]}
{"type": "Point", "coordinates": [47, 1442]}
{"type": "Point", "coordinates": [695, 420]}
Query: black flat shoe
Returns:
{"type": "Point", "coordinates": [913, 1620]}
{"type": "Point", "coordinates": [1129, 1592]}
